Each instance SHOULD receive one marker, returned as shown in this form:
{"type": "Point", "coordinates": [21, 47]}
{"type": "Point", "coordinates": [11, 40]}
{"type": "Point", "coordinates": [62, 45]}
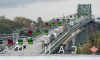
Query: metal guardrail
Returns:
{"type": "Point", "coordinates": [38, 36]}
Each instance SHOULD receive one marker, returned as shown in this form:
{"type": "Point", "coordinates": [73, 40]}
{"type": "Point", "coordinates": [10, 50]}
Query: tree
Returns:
{"type": "Point", "coordinates": [33, 23]}
{"type": "Point", "coordinates": [40, 22]}
{"type": "Point", "coordinates": [4, 28]}
{"type": "Point", "coordinates": [10, 26]}
{"type": "Point", "coordinates": [24, 22]}
{"type": "Point", "coordinates": [98, 45]}
{"type": "Point", "coordinates": [86, 48]}
{"type": "Point", "coordinates": [19, 20]}
{"type": "Point", "coordinates": [78, 50]}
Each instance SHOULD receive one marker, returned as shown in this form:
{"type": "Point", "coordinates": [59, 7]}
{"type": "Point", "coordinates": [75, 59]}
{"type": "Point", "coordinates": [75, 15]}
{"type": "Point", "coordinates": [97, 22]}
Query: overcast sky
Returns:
{"type": "Point", "coordinates": [47, 9]}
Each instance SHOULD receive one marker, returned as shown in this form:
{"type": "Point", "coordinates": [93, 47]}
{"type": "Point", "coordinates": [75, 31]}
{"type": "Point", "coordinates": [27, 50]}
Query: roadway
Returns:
{"type": "Point", "coordinates": [37, 46]}
{"type": "Point", "coordinates": [34, 48]}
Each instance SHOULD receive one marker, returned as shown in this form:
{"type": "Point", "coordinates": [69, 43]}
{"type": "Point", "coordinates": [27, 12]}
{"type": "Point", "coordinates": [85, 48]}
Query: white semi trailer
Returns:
{"type": "Point", "coordinates": [46, 39]}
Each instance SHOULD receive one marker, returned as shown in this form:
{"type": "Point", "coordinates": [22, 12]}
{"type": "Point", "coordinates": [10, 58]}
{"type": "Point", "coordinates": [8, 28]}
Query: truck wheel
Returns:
{"type": "Point", "coordinates": [24, 46]}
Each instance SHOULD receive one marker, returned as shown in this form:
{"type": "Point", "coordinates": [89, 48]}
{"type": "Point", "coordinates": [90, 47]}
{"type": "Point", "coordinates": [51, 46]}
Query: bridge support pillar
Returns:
{"type": "Point", "coordinates": [81, 37]}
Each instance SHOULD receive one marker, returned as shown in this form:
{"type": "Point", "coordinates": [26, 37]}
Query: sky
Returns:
{"type": "Point", "coordinates": [47, 9]}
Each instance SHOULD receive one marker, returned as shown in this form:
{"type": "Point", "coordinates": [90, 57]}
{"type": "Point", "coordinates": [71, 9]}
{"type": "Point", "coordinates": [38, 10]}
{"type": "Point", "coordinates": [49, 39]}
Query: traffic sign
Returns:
{"type": "Point", "coordinates": [30, 41]}
{"type": "Point", "coordinates": [30, 32]}
{"type": "Point", "coordinates": [58, 20]}
{"type": "Point", "coordinates": [10, 41]}
{"type": "Point", "coordinates": [46, 24]}
{"type": "Point", "coordinates": [46, 31]}
{"type": "Point", "coordinates": [20, 41]}
{"type": "Point", "coordinates": [59, 23]}
{"type": "Point", "coordinates": [53, 23]}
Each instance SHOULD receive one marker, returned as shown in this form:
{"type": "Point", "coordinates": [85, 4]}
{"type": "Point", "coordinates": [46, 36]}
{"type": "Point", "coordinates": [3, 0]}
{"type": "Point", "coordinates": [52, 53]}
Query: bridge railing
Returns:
{"type": "Point", "coordinates": [58, 41]}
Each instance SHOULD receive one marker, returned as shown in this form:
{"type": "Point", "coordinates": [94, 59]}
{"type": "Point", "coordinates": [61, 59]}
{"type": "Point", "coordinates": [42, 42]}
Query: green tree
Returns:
{"type": "Point", "coordinates": [40, 22]}
{"type": "Point", "coordinates": [86, 48]}
{"type": "Point", "coordinates": [98, 45]}
{"type": "Point", "coordinates": [4, 28]}
{"type": "Point", "coordinates": [24, 22]}
{"type": "Point", "coordinates": [19, 20]}
{"type": "Point", "coordinates": [78, 50]}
